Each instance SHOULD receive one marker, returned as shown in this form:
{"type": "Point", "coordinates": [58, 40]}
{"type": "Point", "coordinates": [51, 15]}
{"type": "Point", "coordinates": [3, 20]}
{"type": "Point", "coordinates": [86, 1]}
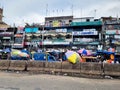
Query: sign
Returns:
{"type": "Point", "coordinates": [6, 37]}
{"type": "Point", "coordinates": [61, 30]}
{"type": "Point", "coordinates": [6, 33]}
{"type": "Point", "coordinates": [31, 30]}
{"type": "Point", "coordinates": [75, 33]}
{"type": "Point", "coordinates": [56, 23]}
{"type": "Point", "coordinates": [59, 43]}
{"type": "Point", "coordinates": [117, 36]}
{"type": "Point", "coordinates": [18, 35]}
{"type": "Point", "coordinates": [17, 46]}
{"type": "Point", "coordinates": [113, 32]}
{"type": "Point", "coordinates": [47, 42]}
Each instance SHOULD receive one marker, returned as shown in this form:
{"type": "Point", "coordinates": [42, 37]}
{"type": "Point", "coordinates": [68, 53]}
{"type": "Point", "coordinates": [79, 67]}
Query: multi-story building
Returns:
{"type": "Point", "coordinates": [111, 30]}
{"type": "Point", "coordinates": [6, 33]}
{"type": "Point", "coordinates": [19, 36]}
{"type": "Point", "coordinates": [65, 32]}
{"type": "Point", "coordinates": [3, 25]}
{"type": "Point", "coordinates": [86, 33]}
{"type": "Point", "coordinates": [58, 32]}
{"type": "Point", "coordinates": [33, 37]}
{"type": "Point", "coordinates": [68, 32]}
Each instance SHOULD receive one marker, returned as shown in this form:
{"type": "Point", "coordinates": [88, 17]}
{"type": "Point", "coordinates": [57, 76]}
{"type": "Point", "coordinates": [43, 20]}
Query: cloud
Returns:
{"type": "Point", "coordinates": [31, 11]}
{"type": "Point", "coordinates": [30, 19]}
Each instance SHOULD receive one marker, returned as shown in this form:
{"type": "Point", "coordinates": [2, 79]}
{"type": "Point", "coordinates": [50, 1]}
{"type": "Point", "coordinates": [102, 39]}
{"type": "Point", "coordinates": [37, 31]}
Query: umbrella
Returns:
{"type": "Point", "coordinates": [15, 52]}
{"type": "Point", "coordinates": [33, 52]}
{"type": "Point", "coordinates": [84, 52]}
{"type": "Point", "coordinates": [72, 56]}
{"type": "Point", "coordinates": [1, 50]}
{"type": "Point", "coordinates": [25, 51]}
{"type": "Point", "coordinates": [22, 54]}
{"type": "Point", "coordinates": [7, 50]}
{"type": "Point", "coordinates": [111, 50]}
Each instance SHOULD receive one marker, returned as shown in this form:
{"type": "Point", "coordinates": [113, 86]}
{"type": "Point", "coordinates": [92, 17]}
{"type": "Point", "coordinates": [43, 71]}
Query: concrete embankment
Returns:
{"type": "Point", "coordinates": [91, 69]}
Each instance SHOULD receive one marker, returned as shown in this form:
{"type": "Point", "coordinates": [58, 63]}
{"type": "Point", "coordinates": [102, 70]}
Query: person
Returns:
{"type": "Point", "coordinates": [8, 56]}
{"type": "Point", "coordinates": [39, 50]}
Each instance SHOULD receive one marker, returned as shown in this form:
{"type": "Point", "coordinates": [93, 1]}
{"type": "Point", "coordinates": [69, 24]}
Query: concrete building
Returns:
{"type": "Point", "coordinates": [5, 34]}
{"type": "Point", "coordinates": [111, 31]}
{"type": "Point", "coordinates": [66, 32]}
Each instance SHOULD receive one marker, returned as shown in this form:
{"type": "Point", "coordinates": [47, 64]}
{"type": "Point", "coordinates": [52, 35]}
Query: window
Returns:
{"type": "Point", "coordinates": [18, 40]}
{"type": "Point", "coordinates": [87, 20]}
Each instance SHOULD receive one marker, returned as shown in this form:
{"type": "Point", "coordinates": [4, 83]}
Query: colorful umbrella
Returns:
{"type": "Point", "coordinates": [72, 56]}
{"type": "Point", "coordinates": [7, 50]}
{"type": "Point", "coordinates": [84, 52]}
{"type": "Point", "coordinates": [15, 52]}
{"type": "Point", "coordinates": [111, 50]}
{"type": "Point", "coordinates": [23, 54]}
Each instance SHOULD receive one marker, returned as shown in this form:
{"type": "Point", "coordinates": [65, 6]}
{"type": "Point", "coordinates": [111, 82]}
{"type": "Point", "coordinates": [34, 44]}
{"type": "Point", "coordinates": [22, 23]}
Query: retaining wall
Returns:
{"type": "Point", "coordinates": [87, 68]}
{"type": "Point", "coordinates": [17, 65]}
{"type": "Point", "coordinates": [112, 69]}
{"type": "Point", "coordinates": [4, 64]}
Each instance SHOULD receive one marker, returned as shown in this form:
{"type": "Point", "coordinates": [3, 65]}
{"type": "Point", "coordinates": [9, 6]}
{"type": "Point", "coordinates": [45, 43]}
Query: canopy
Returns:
{"type": "Point", "coordinates": [84, 52]}
{"type": "Point", "coordinates": [22, 54]}
{"type": "Point", "coordinates": [72, 56]}
{"type": "Point", "coordinates": [7, 50]}
{"type": "Point", "coordinates": [15, 52]}
{"type": "Point", "coordinates": [111, 50]}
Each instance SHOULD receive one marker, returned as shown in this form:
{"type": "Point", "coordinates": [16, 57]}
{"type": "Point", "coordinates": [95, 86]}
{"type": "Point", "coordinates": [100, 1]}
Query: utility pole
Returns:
{"type": "Point", "coordinates": [43, 36]}
{"type": "Point", "coordinates": [95, 13]}
{"type": "Point", "coordinates": [72, 9]}
{"type": "Point", "coordinates": [46, 10]}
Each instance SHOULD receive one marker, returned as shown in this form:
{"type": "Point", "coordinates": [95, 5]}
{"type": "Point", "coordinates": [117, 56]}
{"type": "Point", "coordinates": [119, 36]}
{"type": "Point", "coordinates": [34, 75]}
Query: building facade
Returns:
{"type": "Point", "coordinates": [65, 32]}
{"type": "Point", "coordinates": [111, 28]}
{"type": "Point", "coordinates": [86, 33]}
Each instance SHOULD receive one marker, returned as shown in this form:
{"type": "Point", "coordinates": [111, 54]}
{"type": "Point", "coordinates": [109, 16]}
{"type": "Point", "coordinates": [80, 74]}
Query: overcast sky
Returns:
{"type": "Point", "coordinates": [34, 11]}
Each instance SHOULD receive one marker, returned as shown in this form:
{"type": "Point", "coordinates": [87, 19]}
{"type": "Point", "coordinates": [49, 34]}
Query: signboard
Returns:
{"type": "Point", "coordinates": [17, 46]}
{"type": "Point", "coordinates": [6, 33]}
{"type": "Point", "coordinates": [31, 30]}
{"type": "Point", "coordinates": [61, 30]}
{"type": "Point", "coordinates": [75, 33]}
{"type": "Point", "coordinates": [56, 23]}
{"type": "Point", "coordinates": [117, 36]}
{"type": "Point", "coordinates": [47, 42]}
{"type": "Point", "coordinates": [113, 32]}
{"type": "Point", "coordinates": [6, 37]}
{"type": "Point", "coordinates": [59, 43]}
{"type": "Point", "coordinates": [55, 43]}
{"type": "Point", "coordinates": [18, 35]}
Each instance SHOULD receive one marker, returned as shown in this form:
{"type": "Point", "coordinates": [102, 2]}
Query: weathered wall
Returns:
{"type": "Point", "coordinates": [87, 68]}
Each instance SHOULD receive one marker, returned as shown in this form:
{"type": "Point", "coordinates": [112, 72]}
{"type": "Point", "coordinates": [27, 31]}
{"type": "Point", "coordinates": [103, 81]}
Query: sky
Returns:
{"type": "Point", "coordinates": [19, 12]}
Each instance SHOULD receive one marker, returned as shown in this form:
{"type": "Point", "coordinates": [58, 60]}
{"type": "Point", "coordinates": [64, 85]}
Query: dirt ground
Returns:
{"type": "Point", "coordinates": [25, 81]}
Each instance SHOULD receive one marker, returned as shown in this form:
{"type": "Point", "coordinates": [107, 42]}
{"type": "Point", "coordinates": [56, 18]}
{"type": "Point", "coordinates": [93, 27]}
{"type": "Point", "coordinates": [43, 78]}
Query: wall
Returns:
{"type": "Point", "coordinates": [89, 68]}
